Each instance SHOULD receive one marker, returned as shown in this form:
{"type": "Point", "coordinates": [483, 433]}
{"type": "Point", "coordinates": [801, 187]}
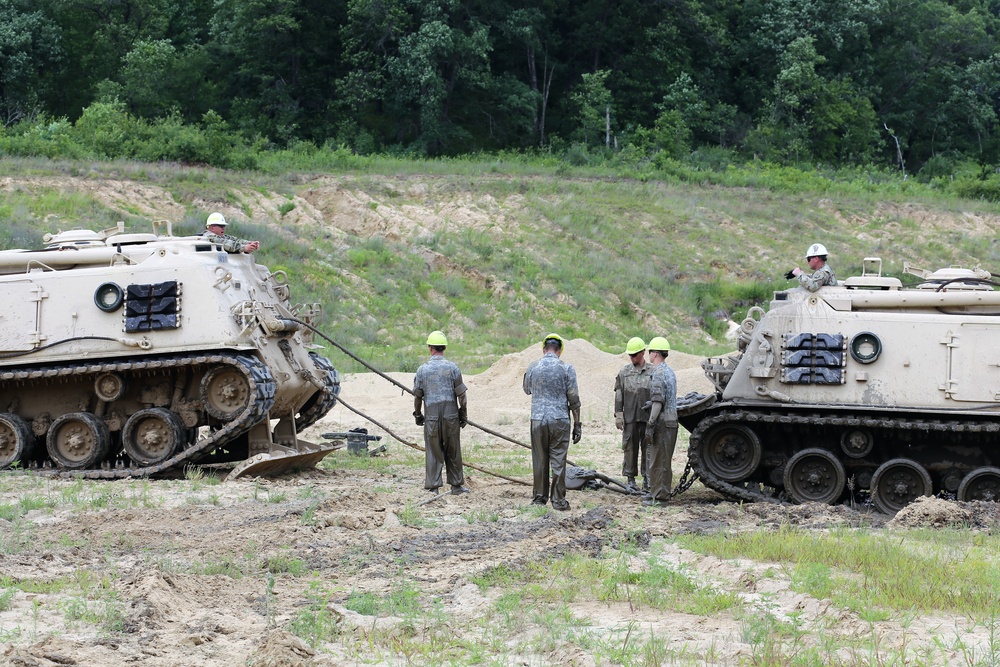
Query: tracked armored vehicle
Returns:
{"type": "Point", "coordinates": [134, 354]}
{"type": "Point", "coordinates": [865, 389]}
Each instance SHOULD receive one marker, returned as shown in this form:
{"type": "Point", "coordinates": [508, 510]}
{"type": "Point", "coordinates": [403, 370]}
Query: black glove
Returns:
{"type": "Point", "coordinates": [419, 418]}
{"type": "Point", "coordinates": [463, 417]}
{"type": "Point", "coordinates": [790, 274]}
{"type": "Point", "coordinates": [646, 406]}
{"type": "Point", "coordinates": [577, 432]}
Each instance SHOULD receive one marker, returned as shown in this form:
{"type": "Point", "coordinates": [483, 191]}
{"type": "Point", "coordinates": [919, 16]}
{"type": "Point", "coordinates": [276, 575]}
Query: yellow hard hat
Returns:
{"type": "Point", "coordinates": [659, 344]}
{"type": "Point", "coordinates": [215, 219]}
{"type": "Point", "coordinates": [635, 345]}
{"type": "Point", "coordinates": [436, 338]}
{"type": "Point", "coordinates": [553, 336]}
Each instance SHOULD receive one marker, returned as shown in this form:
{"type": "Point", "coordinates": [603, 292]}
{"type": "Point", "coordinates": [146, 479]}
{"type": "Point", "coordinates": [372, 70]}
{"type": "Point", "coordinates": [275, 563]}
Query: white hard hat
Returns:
{"type": "Point", "coordinates": [215, 219]}
{"type": "Point", "coordinates": [815, 250]}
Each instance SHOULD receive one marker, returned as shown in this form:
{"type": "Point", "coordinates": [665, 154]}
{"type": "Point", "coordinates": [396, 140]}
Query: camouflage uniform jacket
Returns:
{"type": "Point", "coordinates": [438, 381]}
{"type": "Point", "coordinates": [228, 243]}
{"type": "Point", "coordinates": [823, 276]}
{"type": "Point", "coordinates": [553, 389]}
{"type": "Point", "coordinates": [632, 391]}
{"type": "Point", "coordinates": [663, 389]}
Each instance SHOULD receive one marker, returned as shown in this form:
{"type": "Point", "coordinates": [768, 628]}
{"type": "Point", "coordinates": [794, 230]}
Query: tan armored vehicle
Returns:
{"type": "Point", "coordinates": [863, 388]}
{"type": "Point", "coordinates": [136, 353]}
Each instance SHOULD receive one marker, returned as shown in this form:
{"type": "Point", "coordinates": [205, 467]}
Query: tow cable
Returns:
{"type": "Point", "coordinates": [683, 485]}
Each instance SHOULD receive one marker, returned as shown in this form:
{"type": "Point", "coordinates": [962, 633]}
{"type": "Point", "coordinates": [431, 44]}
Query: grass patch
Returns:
{"type": "Point", "coordinates": [85, 598]}
{"type": "Point", "coordinates": [6, 597]}
{"type": "Point", "coordinates": [402, 600]}
{"type": "Point", "coordinates": [481, 516]}
{"type": "Point", "coordinates": [875, 573]}
{"type": "Point", "coordinates": [616, 579]}
{"type": "Point", "coordinates": [228, 565]}
{"type": "Point", "coordinates": [412, 515]}
{"type": "Point", "coordinates": [285, 563]}
{"type": "Point", "coordinates": [316, 623]}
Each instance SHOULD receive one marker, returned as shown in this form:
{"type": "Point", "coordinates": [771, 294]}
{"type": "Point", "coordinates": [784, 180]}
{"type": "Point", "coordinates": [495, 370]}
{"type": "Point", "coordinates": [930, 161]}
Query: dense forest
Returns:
{"type": "Point", "coordinates": [910, 85]}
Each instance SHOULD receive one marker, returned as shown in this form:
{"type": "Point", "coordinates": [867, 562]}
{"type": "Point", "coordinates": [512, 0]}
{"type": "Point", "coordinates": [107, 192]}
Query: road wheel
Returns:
{"type": "Point", "coordinates": [731, 452]}
{"type": "Point", "coordinates": [152, 435]}
{"type": "Point", "coordinates": [814, 476]}
{"type": "Point", "coordinates": [897, 483]}
{"type": "Point", "coordinates": [78, 441]}
{"type": "Point", "coordinates": [980, 484]}
{"type": "Point", "coordinates": [16, 440]}
{"type": "Point", "coordinates": [225, 392]}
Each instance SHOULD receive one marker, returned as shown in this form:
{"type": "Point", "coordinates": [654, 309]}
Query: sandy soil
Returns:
{"type": "Point", "coordinates": [184, 564]}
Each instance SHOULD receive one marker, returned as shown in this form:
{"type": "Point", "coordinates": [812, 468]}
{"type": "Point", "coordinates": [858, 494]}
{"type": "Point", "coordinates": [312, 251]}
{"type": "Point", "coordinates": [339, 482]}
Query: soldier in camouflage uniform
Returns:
{"type": "Point", "coordinates": [554, 395]}
{"type": "Point", "coordinates": [215, 232]}
{"type": "Point", "coordinates": [661, 431]}
{"type": "Point", "coordinates": [631, 395]}
{"type": "Point", "coordinates": [821, 274]}
{"type": "Point", "coordinates": [439, 389]}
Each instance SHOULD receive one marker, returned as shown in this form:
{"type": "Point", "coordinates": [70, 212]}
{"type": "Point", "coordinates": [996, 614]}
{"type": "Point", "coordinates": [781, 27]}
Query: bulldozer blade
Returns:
{"type": "Point", "coordinates": [281, 460]}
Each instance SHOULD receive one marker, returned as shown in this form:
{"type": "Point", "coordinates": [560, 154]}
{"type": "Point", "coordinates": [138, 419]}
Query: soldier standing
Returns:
{"type": "Point", "coordinates": [439, 389]}
{"type": "Point", "coordinates": [554, 395]}
{"type": "Point", "coordinates": [631, 394]}
{"type": "Point", "coordinates": [661, 431]}
{"type": "Point", "coordinates": [215, 232]}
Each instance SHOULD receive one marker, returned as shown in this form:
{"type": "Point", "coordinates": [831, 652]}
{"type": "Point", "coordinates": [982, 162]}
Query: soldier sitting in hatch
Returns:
{"type": "Point", "coordinates": [821, 274]}
{"type": "Point", "coordinates": [215, 232]}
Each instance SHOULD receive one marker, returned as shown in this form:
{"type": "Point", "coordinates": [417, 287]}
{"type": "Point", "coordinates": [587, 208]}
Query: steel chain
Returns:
{"type": "Point", "coordinates": [684, 483]}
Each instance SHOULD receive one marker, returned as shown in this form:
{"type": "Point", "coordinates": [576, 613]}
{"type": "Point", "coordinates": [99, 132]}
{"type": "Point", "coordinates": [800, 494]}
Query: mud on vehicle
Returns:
{"type": "Point", "coordinates": [131, 354]}
{"type": "Point", "coordinates": [863, 390]}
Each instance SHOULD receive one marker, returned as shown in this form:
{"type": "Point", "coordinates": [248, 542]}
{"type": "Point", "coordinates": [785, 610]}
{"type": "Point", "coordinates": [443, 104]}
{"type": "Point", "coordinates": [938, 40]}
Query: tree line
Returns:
{"type": "Point", "coordinates": [908, 84]}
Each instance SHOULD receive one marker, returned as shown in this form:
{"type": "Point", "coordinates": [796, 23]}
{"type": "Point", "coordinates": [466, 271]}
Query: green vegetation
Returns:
{"type": "Point", "coordinates": [597, 252]}
{"type": "Point", "coordinates": [870, 573]}
{"type": "Point", "coordinates": [575, 577]}
{"type": "Point", "coordinates": [86, 598]}
{"type": "Point", "coordinates": [316, 623]}
{"type": "Point", "coordinates": [786, 82]}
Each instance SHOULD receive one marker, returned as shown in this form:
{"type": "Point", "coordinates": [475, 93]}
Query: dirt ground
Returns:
{"type": "Point", "coordinates": [181, 566]}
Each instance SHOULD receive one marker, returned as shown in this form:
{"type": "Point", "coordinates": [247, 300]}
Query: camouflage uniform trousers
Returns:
{"type": "Point", "coordinates": [549, 448]}
{"type": "Point", "coordinates": [443, 449]}
{"type": "Point", "coordinates": [633, 443]}
{"type": "Point", "coordinates": [661, 453]}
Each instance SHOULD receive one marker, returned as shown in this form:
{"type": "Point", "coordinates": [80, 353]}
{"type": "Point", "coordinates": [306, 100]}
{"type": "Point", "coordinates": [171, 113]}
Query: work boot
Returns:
{"type": "Point", "coordinates": [458, 490]}
{"type": "Point", "coordinates": [651, 502]}
{"type": "Point", "coordinates": [630, 486]}
{"type": "Point", "coordinates": [562, 507]}
{"type": "Point", "coordinates": [433, 491]}
{"type": "Point", "coordinates": [645, 485]}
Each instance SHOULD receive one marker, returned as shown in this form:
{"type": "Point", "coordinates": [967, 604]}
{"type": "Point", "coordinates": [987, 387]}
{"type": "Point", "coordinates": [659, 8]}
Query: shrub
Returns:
{"type": "Point", "coordinates": [987, 188]}
{"type": "Point", "coordinates": [106, 129]}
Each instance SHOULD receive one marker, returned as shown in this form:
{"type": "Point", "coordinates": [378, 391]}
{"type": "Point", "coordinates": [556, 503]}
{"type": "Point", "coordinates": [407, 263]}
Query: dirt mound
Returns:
{"type": "Point", "coordinates": [938, 513]}
{"type": "Point", "coordinates": [282, 649]}
{"type": "Point", "coordinates": [595, 374]}
{"type": "Point", "coordinates": [811, 515]}
{"type": "Point", "coordinates": [496, 397]}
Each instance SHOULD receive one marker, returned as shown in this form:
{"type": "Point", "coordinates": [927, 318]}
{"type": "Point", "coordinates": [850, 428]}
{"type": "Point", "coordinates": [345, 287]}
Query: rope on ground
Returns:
{"type": "Point", "coordinates": [417, 447]}
{"type": "Point", "coordinates": [399, 384]}
{"type": "Point", "coordinates": [499, 435]}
